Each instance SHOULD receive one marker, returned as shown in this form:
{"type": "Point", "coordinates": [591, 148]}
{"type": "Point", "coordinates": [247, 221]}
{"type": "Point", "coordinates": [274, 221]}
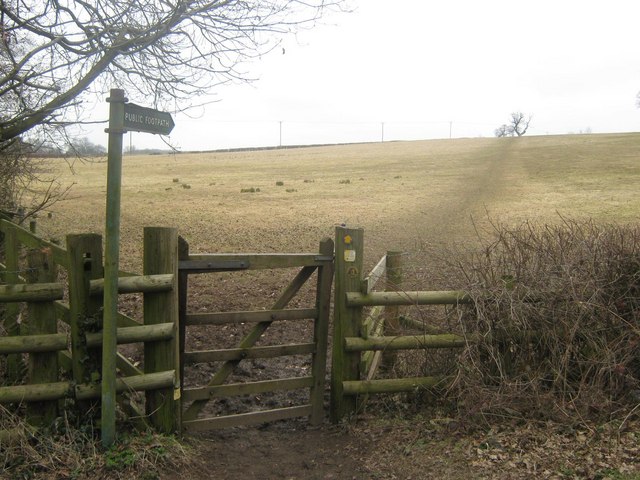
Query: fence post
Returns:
{"type": "Point", "coordinates": [392, 312]}
{"type": "Point", "coordinates": [183, 286]}
{"type": "Point", "coordinates": [15, 366]}
{"type": "Point", "coordinates": [321, 332]}
{"type": "Point", "coordinates": [43, 367]}
{"type": "Point", "coordinates": [347, 321]}
{"type": "Point", "coordinates": [161, 256]}
{"type": "Point", "coordinates": [85, 264]}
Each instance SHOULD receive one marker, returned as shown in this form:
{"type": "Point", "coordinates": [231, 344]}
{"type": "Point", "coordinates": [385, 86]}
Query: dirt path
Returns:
{"type": "Point", "coordinates": [291, 450]}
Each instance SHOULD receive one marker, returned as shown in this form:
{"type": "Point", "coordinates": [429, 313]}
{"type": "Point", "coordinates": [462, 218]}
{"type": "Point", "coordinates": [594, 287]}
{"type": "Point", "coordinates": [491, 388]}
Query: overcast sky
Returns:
{"type": "Point", "coordinates": [428, 69]}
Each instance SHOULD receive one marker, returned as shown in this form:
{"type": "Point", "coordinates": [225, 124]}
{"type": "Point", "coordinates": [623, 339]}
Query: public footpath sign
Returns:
{"type": "Point", "coordinates": [123, 117]}
{"type": "Point", "coordinates": [143, 119]}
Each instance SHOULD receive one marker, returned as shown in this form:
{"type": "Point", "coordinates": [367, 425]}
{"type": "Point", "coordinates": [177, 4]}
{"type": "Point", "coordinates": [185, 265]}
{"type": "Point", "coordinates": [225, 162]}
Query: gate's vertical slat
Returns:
{"type": "Point", "coordinates": [392, 312]}
{"type": "Point", "coordinates": [321, 332]}
{"type": "Point", "coordinates": [183, 286]}
{"type": "Point", "coordinates": [161, 256]}
{"type": "Point", "coordinates": [347, 321]}
{"type": "Point", "coordinates": [43, 367]}
{"type": "Point", "coordinates": [250, 340]}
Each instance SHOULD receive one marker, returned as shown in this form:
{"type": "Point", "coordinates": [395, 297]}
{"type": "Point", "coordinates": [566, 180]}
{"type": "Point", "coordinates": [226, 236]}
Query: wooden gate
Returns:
{"type": "Point", "coordinates": [195, 399]}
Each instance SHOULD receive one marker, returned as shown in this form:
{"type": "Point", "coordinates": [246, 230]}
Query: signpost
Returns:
{"type": "Point", "coordinates": [123, 116]}
{"type": "Point", "coordinates": [143, 119]}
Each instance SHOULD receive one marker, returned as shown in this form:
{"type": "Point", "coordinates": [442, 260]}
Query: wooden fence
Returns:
{"type": "Point", "coordinates": [359, 341]}
{"type": "Point", "coordinates": [60, 328]}
{"type": "Point", "coordinates": [57, 326]}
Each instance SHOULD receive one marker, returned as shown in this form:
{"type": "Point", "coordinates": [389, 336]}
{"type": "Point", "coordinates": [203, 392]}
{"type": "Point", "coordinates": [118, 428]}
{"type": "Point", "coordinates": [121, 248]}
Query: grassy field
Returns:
{"type": "Point", "coordinates": [404, 194]}
{"type": "Point", "coordinates": [412, 196]}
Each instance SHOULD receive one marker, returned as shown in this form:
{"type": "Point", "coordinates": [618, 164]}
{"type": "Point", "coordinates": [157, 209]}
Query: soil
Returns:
{"type": "Point", "coordinates": [412, 447]}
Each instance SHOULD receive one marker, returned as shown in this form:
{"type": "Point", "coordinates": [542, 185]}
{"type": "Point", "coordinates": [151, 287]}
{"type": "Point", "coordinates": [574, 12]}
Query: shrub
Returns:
{"type": "Point", "coordinates": [345, 182]}
{"type": "Point", "coordinates": [249, 190]}
{"type": "Point", "coordinates": [558, 309]}
{"type": "Point", "coordinates": [279, 183]}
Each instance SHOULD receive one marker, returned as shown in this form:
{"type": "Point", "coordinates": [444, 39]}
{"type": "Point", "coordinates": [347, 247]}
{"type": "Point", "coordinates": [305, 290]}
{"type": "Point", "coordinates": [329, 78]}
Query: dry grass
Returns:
{"type": "Point", "coordinates": [403, 193]}
{"type": "Point", "coordinates": [64, 451]}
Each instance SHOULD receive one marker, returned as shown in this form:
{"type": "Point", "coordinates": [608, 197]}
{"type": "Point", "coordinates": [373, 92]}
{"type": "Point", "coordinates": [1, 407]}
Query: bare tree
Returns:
{"type": "Point", "coordinates": [58, 56]}
{"type": "Point", "coordinates": [518, 126]}
{"type": "Point", "coordinates": [164, 51]}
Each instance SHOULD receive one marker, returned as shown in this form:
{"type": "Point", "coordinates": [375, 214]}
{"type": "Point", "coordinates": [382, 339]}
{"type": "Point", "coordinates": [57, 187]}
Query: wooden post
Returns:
{"type": "Point", "coordinates": [392, 312]}
{"type": "Point", "coordinates": [85, 264]}
{"type": "Point", "coordinates": [43, 367]}
{"type": "Point", "coordinates": [15, 366]}
{"type": "Point", "coordinates": [321, 332]}
{"type": "Point", "coordinates": [347, 321]}
{"type": "Point", "coordinates": [111, 266]}
{"type": "Point", "coordinates": [161, 256]}
{"type": "Point", "coordinates": [183, 287]}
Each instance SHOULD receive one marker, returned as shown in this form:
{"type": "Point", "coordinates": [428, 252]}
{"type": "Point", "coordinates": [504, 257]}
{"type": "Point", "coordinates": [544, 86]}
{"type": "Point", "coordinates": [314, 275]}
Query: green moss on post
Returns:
{"type": "Point", "coordinates": [161, 256]}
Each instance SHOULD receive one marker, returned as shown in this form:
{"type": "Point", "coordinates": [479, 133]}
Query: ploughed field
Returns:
{"type": "Point", "coordinates": [424, 198]}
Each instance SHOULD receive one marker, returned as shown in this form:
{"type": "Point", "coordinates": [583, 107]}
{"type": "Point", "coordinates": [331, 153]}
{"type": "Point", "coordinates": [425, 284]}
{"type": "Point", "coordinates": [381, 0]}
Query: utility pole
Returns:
{"type": "Point", "coordinates": [382, 125]}
{"type": "Point", "coordinates": [450, 128]}
{"type": "Point", "coordinates": [280, 133]}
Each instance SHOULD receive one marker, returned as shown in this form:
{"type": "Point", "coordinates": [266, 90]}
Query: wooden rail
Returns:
{"type": "Point", "coordinates": [449, 297]}
{"type": "Point", "coordinates": [250, 388]}
{"type": "Point", "coordinates": [136, 284]}
{"type": "Point", "coordinates": [140, 333]}
{"type": "Point", "coordinates": [221, 318]}
{"type": "Point", "coordinates": [137, 383]}
{"type": "Point", "coordinates": [203, 263]}
{"type": "Point", "coordinates": [409, 342]}
{"type": "Point", "coordinates": [37, 292]}
{"type": "Point", "coordinates": [234, 354]}
{"type": "Point", "coordinates": [33, 343]}
{"type": "Point", "coordinates": [392, 385]}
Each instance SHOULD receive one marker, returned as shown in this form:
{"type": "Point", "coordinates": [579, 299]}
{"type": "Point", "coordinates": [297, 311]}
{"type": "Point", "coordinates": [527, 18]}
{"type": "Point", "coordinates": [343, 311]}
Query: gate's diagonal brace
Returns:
{"type": "Point", "coordinates": [250, 340]}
